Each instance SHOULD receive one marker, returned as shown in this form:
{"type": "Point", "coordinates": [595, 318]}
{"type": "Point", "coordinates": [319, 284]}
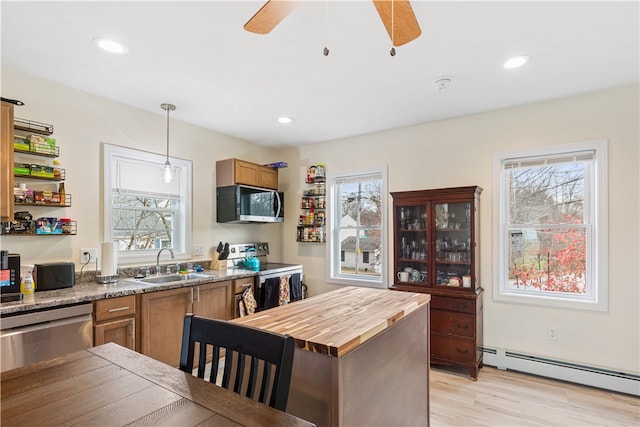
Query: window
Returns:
{"type": "Point", "coordinates": [142, 212]}
{"type": "Point", "coordinates": [551, 231]}
{"type": "Point", "coordinates": [357, 222]}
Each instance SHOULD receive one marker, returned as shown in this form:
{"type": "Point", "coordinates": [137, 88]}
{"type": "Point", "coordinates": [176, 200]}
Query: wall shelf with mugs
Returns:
{"type": "Point", "coordinates": [33, 139]}
{"type": "Point", "coordinates": [436, 251]}
{"type": "Point", "coordinates": [312, 221]}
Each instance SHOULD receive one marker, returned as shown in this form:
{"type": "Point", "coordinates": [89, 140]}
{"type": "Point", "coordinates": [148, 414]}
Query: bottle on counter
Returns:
{"type": "Point", "coordinates": [27, 285]}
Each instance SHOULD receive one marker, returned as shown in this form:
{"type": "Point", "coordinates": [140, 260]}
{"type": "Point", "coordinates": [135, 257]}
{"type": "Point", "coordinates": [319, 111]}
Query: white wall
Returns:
{"type": "Point", "coordinates": [81, 123]}
{"type": "Point", "coordinates": [458, 153]}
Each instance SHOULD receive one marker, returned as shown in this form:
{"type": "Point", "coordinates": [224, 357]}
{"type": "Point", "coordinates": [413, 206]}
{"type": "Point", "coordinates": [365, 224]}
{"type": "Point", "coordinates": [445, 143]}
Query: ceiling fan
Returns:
{"type": "Point", "coordinates": [397, 16]}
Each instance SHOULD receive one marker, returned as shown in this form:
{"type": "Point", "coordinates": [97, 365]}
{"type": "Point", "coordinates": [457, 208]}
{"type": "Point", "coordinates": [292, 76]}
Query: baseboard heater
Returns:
{"type": "Point", "coordinates": [607, 379]}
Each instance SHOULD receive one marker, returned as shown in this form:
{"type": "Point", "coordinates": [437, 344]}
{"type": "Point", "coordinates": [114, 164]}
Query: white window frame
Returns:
{"type": "Point", "coordinates": [597, 230]}
{"type": "Point", "coordinates": [183, 229]}
{"type": "Point", "coordinates": [333, 222]}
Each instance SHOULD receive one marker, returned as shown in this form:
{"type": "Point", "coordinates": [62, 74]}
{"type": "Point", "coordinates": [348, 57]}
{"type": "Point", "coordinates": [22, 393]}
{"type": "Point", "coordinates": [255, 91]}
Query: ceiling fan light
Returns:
{"type": "Point", "coordinates": [285, 120]}
{"type": "Point", "coordinates": [515, 62]}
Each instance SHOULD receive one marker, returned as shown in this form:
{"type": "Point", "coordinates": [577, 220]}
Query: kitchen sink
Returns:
{"type": "Point", "coordinates": [174, 278]}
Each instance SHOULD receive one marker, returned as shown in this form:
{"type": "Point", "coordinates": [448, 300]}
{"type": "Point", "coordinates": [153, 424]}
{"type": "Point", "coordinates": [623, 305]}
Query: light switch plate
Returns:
{"type": "Point", "coordinates": [198, 250]}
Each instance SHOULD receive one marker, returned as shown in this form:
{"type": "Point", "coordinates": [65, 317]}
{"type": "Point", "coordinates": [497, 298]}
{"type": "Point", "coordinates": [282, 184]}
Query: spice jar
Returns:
{"type": "Point", "coordinates": [66, 225]}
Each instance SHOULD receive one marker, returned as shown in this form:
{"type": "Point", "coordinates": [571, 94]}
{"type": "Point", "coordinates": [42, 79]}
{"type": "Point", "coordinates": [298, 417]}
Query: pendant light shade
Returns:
{"type": "Point", "coordinates": [168, 172]}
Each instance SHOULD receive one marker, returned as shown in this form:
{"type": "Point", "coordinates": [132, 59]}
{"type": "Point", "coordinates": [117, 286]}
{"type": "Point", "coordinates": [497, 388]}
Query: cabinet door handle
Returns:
{"type": "Point", "coordinates": [191, 296]}
{"type": "Point", "coordinates": [246, 285]}
{"type": "Point", "coordinates": [459, 326]}
{"type": "Point", "coordinates": [113, 310]}
{"type": "Point", "coordinates": [198, 294]}
{"type": "Point", "coordinates": [462, 351]}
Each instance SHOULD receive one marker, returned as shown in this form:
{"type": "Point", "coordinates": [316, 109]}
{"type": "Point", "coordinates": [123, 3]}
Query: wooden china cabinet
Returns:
{"type": "Point", "coordinates": [436, 251]}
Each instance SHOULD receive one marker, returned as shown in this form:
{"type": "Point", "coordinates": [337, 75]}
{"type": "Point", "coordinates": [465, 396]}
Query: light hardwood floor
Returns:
{"type": "Point", "coordinates": [509, 398]}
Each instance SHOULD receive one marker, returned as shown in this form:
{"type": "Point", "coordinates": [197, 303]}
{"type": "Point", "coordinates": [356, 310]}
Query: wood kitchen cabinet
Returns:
{"type": "Point", "coordinates": [162, 315]}
{"type": "Point", "coordinates": [115, 321]}
{"type": "Point", "coordinates": [437, 251]}
{"type": "Point", "coordinates": [235, 171]}
{"type": "Point", "coordinates": [6, 163]}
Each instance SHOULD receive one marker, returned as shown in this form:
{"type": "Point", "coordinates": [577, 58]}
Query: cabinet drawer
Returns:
{"type": "Point", "coordinates": [239, 285]}
{"type": "Point", "coordinates": [449, 322]}
{"type": "Point", "coordinates": [112, 308]}
{"type": "Point", "coordinates": [453, 304]}
{"type": "Point", "coordinates": [452, 348]}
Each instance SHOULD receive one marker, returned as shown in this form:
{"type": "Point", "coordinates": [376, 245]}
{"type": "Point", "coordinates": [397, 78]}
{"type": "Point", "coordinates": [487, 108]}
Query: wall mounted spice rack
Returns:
{"type": "Point", "coordinates": [311, 224]}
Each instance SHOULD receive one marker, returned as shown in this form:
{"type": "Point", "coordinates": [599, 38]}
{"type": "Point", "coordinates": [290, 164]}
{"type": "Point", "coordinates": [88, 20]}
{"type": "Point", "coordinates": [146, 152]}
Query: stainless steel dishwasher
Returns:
{"type": "Point", "coordinates": [32, 337]}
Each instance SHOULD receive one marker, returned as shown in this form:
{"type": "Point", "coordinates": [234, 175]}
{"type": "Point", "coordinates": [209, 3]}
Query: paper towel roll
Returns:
{"type": "Point", "coordinates": [109, 259]}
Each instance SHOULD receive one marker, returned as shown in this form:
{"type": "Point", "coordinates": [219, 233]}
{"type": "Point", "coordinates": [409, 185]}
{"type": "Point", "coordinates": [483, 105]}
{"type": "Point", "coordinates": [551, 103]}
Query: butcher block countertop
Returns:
{"type": "Point", "coordinates": [336, 322]}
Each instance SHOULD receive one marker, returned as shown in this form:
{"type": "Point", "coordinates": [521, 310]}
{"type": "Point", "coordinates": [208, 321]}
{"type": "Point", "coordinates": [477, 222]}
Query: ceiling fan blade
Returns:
{"type": "Point", "coordinates": [403, 25]}
{"type": "Point", "coordinates": [270, 15]}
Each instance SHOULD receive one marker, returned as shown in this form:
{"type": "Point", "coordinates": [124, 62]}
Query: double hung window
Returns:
{"type": "Point", "coordinates": [552, 226]}
{"type": "Point", "coordinates": [142, 212]}
{"type": "Point", "coordinates": [357, 223]}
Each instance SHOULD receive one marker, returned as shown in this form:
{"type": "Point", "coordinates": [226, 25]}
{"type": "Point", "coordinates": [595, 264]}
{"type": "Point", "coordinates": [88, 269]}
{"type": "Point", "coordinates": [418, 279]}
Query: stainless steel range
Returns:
{"type": "Point", "coordinates": [277, 283]}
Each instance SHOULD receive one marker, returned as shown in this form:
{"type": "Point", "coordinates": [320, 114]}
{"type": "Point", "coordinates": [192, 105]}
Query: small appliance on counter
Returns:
{"type": "Point", "coordinates": [10, 287]}
{"type": "Point", "coordinates": [54, 275]}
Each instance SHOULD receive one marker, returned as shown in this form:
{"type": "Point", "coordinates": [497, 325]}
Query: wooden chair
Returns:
{"type": "Point", "coordinates": [241, 345]}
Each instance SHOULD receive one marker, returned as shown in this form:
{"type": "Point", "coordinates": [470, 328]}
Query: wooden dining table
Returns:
{"type": "Point", "coordinates": [110, 385]}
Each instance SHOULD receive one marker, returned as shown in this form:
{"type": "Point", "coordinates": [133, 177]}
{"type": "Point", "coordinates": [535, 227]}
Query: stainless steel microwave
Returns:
{"type": "Point", "coordinates": [246, 204]}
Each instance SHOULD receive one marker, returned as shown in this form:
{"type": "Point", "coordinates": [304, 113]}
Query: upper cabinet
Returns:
{"type": "Point", "coordinates": [436, 239]}
{"type": "Point", "coordinates": [234, 171]}
{"type": "Point", "coordinates": [6, 163]}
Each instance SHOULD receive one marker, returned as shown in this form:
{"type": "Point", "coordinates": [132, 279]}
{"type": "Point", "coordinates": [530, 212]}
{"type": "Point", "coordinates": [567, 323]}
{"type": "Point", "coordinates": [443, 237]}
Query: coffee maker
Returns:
{"type": "Point", "coordinates": [11, 292]}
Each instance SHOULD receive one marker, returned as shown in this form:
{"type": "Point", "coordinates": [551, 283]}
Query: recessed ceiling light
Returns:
{"type": "Point", "coordinates": [110, 45]}
{"type": "Point", "coordinates": [515, 62]}
{"type": "Point", "coordinates": [285, 120]}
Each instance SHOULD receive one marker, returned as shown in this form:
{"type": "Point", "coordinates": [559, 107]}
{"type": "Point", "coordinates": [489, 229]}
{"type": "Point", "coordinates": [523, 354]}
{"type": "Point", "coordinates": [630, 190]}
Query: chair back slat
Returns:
{"type": "Point", "coordinates": [215, 364]}
{"type": "Point", "coordinates": [202, 359]}
{"type": "Point", "coordinates": [254, 359]}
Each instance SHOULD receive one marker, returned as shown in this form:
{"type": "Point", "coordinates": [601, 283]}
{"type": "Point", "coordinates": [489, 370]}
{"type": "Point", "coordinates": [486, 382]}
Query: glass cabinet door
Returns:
{"type": "Point", "coordinates": [453, 244]}
{"type": "Point", "coordinates": [412, 248]}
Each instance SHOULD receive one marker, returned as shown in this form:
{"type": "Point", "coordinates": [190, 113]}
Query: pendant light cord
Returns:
{"type": "Point", "coordinates": [168, 108]}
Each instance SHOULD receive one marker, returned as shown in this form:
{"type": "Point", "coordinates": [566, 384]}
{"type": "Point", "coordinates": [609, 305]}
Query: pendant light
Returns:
{"type": "Point", "coordinates": [168, 173]}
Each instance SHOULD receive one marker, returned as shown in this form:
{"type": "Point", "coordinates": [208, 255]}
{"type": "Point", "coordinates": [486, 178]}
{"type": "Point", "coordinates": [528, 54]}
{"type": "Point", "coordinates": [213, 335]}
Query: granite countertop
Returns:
{"type": "Point", "coordinates": [87, 291]}
{"type": "Point", "coordinates": [336, 322]}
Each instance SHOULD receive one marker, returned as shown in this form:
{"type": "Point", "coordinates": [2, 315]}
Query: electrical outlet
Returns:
{"type": "Point", "coordinates": [198, 250]}
{"type": "Point", "coordinates": [552, 333]}
{"type": "Point", "coordinates": [88, 255]}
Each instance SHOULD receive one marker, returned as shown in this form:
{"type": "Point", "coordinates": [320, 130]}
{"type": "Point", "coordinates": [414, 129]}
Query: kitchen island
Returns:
{"type": "Point", "coordinates": [362, 356]}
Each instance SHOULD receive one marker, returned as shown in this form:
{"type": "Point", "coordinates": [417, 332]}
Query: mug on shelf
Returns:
{"type": "Point", "coordinates": [403, 276]}
{"type": "Point", "coordinates": [454, 281]}
{"type": "Point", "coordinates": [466, 281]}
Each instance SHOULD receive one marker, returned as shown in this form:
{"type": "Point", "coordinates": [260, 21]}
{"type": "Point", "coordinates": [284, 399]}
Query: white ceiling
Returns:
{"type": "Point", "coordinates": [197, 56]}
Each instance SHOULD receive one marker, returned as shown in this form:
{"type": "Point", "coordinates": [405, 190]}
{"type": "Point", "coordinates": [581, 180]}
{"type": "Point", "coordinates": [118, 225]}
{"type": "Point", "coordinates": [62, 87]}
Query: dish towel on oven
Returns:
{"type": "Point", "coordinates": [284, 290]}
{"type": "Point", "coordinates": [270, 293]}
{"type": "Point", "coordinates": [295, 283]}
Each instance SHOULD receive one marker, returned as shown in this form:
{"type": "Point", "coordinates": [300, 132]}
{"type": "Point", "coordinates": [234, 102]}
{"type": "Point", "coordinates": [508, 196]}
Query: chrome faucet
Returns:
{"type": "Point", "coordinates": [158, 258]}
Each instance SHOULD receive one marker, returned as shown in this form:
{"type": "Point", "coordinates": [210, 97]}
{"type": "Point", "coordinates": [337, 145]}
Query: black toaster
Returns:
{"type": "Point", "coordinates": [54, 275]}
